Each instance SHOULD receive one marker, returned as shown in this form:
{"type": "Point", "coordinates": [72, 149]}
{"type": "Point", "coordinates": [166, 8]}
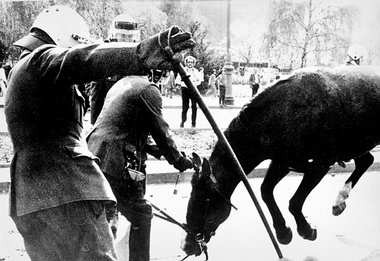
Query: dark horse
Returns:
{"type": "Point", "coordinates": [306, 123]}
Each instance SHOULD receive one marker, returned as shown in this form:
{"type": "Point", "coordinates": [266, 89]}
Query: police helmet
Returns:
{"type": "Point", "coordinates": [64, 26]}
{"type": "Point", "coordinates": [124, 28]}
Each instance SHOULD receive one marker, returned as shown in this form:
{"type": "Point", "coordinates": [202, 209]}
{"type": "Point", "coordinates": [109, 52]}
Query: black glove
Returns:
{"type": "Point", "coordinates": [183, 164]}
{"type": "Point", "coordinates": [153, 52]}
{"type": "Point", "coordinates": [153, 150]}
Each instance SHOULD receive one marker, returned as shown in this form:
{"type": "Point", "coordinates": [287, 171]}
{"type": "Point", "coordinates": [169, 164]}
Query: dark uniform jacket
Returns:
{"type": "Point", "coordinates": [52, 164]}
{"type": "Point", "coordinates": [132, 111]}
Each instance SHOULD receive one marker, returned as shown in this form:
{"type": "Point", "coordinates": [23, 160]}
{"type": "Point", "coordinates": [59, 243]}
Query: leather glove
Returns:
{"type": "Point", "coordinates": [153, 150]}
{"type": "Point", "coordinates": [183, 164]}
{"type": "Point", "coordinates": [158, 51]}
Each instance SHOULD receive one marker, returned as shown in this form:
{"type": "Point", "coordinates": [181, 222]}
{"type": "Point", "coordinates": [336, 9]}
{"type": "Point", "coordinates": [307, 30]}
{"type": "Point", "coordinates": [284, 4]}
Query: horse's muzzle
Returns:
{"type": "Point", "coordinates": [189, 245]}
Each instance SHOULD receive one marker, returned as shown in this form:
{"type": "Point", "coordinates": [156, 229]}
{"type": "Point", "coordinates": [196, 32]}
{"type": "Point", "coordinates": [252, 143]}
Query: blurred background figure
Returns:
{"type": "Point", "coordinates": [355, 55]}
{"type": "Point", "coordinates": [186, 97]}
{"type": "Point", "coordinates": [124, 28]}
{"type": "Point", "coordinates": [3, 81]}
{"type": "Point", "coordinates": [254, 82]}
{"type": "Point", "coordinates": [212, 83]}
{"type": "Point", "coordinates": [222, 82]}
{"type": "Point", "coordinates": [168, 84]}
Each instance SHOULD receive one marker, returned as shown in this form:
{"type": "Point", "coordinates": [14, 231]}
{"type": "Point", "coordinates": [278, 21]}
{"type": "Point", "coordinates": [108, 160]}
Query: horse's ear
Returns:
{"type": "Point", "coordinates": [196, 160]}
{"type": "Point", "coordinates": [206, 168]}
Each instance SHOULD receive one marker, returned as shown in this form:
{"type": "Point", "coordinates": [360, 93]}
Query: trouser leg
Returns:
{"type": "Point", "coordinates": [185, 103]}
{"type": "Point", "coordinates": [223, 94]}
{"type": "Point", "coordinates": [193, 112]}
{"type": "Point", "coordinates": [138, 211]}
{"type": "Point", "coordinates": [140, 216]}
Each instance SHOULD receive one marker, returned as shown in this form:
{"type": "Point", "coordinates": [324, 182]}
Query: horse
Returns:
{"type": "Point", "coordinates": [305, 123]}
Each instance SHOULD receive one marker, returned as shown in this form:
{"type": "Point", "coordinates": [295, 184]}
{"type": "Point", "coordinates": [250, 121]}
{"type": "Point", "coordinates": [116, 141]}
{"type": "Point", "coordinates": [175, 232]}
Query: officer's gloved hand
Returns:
{"type": "Point", "coordinates": [152, 53]}
{"type": "Point", "coordinates": [183, 164]}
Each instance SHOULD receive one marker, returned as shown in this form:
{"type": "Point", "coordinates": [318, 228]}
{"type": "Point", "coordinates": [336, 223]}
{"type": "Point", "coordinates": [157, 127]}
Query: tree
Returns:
{"type": "Point", "coordinates": [17, 18]}
{"type": "Point", "coordinates": [308, 33]}
{"type": "Point", "coordinates": [181, 14]}
{"type": "Point", "coordinates": [97, 14]}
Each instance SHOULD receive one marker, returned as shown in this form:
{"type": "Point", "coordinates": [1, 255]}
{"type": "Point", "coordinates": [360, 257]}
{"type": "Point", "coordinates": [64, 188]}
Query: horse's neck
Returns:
{"type": "Point", "coordinates": [223, 170]}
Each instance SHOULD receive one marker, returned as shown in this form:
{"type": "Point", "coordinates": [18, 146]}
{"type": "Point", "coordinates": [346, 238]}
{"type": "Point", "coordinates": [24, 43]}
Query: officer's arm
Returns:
{"type": "Point", "coordinates": [158, 127]}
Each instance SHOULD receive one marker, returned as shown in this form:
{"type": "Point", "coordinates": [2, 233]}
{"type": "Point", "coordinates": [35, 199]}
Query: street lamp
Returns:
{"type": "Point", "coordinates": [229, 100]}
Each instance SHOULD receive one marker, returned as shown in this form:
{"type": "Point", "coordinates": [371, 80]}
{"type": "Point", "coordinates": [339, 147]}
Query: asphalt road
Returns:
{"type": "Point", "coordinates": [353, 236]}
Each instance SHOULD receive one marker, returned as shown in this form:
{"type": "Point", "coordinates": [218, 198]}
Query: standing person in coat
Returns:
{"type": "Point", "coordinates": [222, 82]}
{"type": "Point", "coordinates": [212, 82]}
{"type": "Point", "coordinates": [121, 138]}
{"type": "Point", "coordinates": [59, 197]}
{"type": "Point", "coordinates": [254, 83]}
{"type": "Point", "coordinates": [186, 97]}
{"type": "Point", "coordinates": [3, 80]}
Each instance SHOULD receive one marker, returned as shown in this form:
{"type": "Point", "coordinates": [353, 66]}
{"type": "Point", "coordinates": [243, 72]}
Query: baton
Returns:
{"type": "Point", "coordinates": [197, 96]}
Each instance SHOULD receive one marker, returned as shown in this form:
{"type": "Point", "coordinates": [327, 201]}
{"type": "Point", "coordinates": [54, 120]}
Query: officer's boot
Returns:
{"type": "Point", "coordinates": [139, 242]}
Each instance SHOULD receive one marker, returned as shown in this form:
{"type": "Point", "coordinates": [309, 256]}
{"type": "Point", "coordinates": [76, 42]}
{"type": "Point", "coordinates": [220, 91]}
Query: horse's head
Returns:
{"type": "Point", "coordinates": [208, 207]}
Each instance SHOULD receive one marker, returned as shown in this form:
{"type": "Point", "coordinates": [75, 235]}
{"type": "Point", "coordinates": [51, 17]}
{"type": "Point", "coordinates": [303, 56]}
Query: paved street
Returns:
{"type": "Point", "coordinates": [353, 236]}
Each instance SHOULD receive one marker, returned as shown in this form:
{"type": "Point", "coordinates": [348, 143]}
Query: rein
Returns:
{"type": "Point", "coordinates": [199, 238]}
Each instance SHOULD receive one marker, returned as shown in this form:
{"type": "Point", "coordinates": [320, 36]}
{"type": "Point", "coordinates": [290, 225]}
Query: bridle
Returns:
{"type": "Point", "coordinates": [203, 233]}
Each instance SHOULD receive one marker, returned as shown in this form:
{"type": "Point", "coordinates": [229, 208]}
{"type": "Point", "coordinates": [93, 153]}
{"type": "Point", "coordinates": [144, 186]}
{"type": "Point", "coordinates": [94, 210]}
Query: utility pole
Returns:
{"type": "Point", "coordinates": [228, 64]}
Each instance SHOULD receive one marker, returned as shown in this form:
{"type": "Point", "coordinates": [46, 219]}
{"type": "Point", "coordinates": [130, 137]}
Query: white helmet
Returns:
{"type": "Point", "coordinates": [124, 28]}
{"type": "Point", "coordinates": [62, 24]}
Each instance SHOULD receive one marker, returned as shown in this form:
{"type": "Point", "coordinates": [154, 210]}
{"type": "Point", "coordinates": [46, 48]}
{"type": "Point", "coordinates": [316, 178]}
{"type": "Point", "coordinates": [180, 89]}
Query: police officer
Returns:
{"type": "Point", "coordinates": [121, 138]}
{"type": "Point", "coordinates": [123, 28]}
{"type": "Point", "coordinates": [59, 196]}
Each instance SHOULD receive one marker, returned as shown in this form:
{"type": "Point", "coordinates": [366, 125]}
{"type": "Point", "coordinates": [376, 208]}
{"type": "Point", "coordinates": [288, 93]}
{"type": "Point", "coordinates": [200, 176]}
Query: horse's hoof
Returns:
{"type": "Point", "coordinates": [338, 209]}
{"type": "Point", "coordinates": [285, 237]}
{"type": "Point", "coordinates": [311, 236]}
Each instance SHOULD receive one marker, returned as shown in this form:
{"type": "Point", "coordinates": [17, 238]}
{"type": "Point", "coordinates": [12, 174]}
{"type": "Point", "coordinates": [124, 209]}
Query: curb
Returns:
{"type": "Point", "coordinates": [228, 107]}
{"type": "Point", "coordinates": [185, 177]}
{"type": "Point", "coordinates": [170, 177]}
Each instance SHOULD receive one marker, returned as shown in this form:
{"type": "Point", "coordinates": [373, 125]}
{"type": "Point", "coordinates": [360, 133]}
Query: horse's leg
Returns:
{"type": "Point", "coordinates": [313, 175]}
{"type": "Point", "coordinates": [362, 163]}
{"type": "Point", "coordinates": [274, 174]}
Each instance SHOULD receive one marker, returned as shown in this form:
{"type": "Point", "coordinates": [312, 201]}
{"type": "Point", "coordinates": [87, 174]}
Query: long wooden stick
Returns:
{"type": "Point", "coordinates": [195, 94]}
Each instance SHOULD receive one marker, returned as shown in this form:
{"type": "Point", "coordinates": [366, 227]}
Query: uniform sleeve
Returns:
{"type": "Point", "coordinates": [158, 127]}
{"type": "Point", "coordinates": [86, 63]}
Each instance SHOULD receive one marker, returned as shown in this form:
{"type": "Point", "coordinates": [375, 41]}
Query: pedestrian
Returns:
{"type": "Point", "coordinates": [212, 83]}
{"type": "Point", "coordinates": [201, 78]}
{"type": "Point", "coordinates": [121, 140]}
{"type": "Point", "coordinates": [169, 84]}
{"type": "Point", "coordinates": [3, 81]}
{"type": "Point", "coordinates": [193, 73]}
{"type": "Point", "coordinates": [59, 197]}
{"type": "Point", "coordinates": [253, 83]}
{"type": "Point", "coordinates": [222, 82]}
